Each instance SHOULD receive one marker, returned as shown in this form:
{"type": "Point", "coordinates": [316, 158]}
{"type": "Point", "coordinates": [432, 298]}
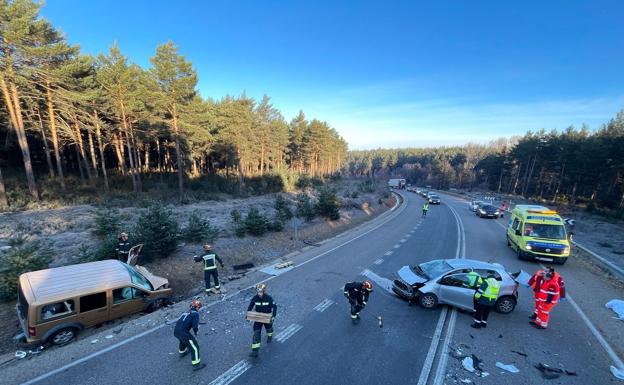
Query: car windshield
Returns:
{"type": "Point", "coordinates": [538, 230]}
{"type": "Point", "coordinates": [433, 197]}
{"type": "Point", "coordinates": [435, 268]}
{"type": "Point", "coordinates": [488, 208]}
{"type": "Point", "coordinates": [138, 279]}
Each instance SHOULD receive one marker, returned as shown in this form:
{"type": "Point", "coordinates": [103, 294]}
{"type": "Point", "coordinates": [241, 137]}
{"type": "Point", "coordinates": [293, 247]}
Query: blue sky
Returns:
{"type": "Point", "coordinates": [385, 74]}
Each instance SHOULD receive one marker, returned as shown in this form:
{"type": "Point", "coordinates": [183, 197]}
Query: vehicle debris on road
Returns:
{"type": "Point", "coordinates": [508, 367]}
{"type": "Point", "coordinates": [617, 373]}
{"type": "Point", "coordinates": [520, 353]}
{"type": "Point", "coordinates": [617, 305]}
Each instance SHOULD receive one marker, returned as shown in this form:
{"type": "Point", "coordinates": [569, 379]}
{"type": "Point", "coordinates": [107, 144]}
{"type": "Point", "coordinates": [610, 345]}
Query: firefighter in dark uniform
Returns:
{"type": "Point", "coordinates": [357, 293]}
{"type": "Point", "coordinates": [188, 344]}
{"type": "Point", "coordinates": [210, 259]}
{"type": "Point", "coordinates": [263, 303]}
{"type": "Point", "coordinates": [123, 247]}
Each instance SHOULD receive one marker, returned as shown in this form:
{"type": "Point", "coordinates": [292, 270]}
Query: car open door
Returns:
{"type": "Point", "coordinates": [455, 290]}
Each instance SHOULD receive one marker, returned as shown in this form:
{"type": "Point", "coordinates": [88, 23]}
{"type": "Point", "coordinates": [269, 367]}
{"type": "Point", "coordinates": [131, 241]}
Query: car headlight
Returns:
{"type": "Point", "coordinates": [496, 212]}
{"type": "Point", "coordinates": [528, 247]}
{"type": "Point", "coordinates": [566, 250]}
{"type": "Point", "coordinates": [481, 211]}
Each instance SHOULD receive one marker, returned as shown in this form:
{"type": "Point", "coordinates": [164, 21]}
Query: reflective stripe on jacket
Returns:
{"type": "Point", "coordinates": [488, 291]}
{"type": "Point", "coordinates": [549, 292]}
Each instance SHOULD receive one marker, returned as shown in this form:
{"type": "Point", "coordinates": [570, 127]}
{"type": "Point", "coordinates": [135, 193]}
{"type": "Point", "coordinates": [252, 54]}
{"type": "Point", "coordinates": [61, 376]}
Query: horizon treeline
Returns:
{"type": "Point", "coordinates": [66, 115]}
{"type": "Point", "coordinates": [570, 166]}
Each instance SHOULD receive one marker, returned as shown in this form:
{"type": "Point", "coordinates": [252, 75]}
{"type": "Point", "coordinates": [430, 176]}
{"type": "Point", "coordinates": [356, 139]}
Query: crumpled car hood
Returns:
{"type": "Point", "coordinates": [156, 281]}
{"type": "Point", "coordinates": [409, 277]}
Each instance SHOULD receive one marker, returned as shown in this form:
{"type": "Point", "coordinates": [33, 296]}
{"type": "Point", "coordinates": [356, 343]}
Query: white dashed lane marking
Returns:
{"type": "Point", "coordinates": [388, 253]}
{"type": "Point", "coordinates": [321, 307]}
{"type": "Point", "coordinates": [379, 261]}
{"type": "Point", "coordinates": [233, 373]}
{"type": "Point", "coordinates": [288, 332]}
{"type": "Point", "coordinates": [403, 240]}
{"type": "Point", "coordinates": [397, 246]}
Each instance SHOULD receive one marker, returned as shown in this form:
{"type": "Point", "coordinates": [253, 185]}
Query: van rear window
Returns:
{"type": "Point", "coordinates": [23, 304]}
{"type": "Point", "coordinates": [92, 302]}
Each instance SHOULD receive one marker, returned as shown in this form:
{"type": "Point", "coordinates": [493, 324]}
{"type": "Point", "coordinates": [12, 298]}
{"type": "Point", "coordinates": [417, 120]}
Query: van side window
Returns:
{"type": "Point", "coordinates": [92, 302]}
{"type": "Point", "coordinates": [126, 293]}
{"type": "Point", "coordinates": [515, 224]}
{"type": "Point", "coordinates": [56, 310]}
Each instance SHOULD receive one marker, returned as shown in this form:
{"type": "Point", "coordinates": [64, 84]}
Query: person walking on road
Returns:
{"type": "Point", "coordinates": [357, 293]}
{"type": "Point", "coordinates": [263, 303]}
{"type": "Point", "coordinates": [485, 300]}
{"type": "Point", "coordinates": [425, 209]}
{"type": "Point", "coordinates": [210, 259]}
{"type": "Point", "coordinates": [536, 283]}
{"type": "Point", "coordinates": [187, 343]}
{"type": "Point", "coordinates": [123, 247]}
{"type": "Point", "coordinates": [546, 299]}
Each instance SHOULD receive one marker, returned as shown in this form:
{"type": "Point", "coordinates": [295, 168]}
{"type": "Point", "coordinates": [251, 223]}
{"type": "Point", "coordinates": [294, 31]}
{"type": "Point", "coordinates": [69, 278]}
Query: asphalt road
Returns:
{"type": "Point", "coordinates": [315, 341]}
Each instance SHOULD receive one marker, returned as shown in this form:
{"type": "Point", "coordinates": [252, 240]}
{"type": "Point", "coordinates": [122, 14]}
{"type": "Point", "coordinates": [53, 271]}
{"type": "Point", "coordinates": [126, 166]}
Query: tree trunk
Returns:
{"type": "Point", "coordinates": [146, 161]}
{"type": "Point", "coordinates": [92, 153]}
{"type": "Point", "coordinates": [159, 162]}
{"type": "Point", "coordinates": [137, 159]}
{"type": "Point", "coordinates": [124, 124]}
{"type": "Point", "coordinates": [261, 159]}
{"type": "Point", "coordinates": [81, 149]}
{"type": "Point", "coordinates": [98, 136]}
{"type": "Point", "coordinates": [79, 163]}
{"type": "Point", "coordinates": [178, 151]}
{"type": "Point", "coordinates": [45, 144]}
{"type": "Point", "coordinates": [4, 202]}
{"type": "Point", "coordinates": [119, 152]}
{"type": "Point", "coordinates": [11, 97]}
{"type": "Point", "coordinates": [54, 134]}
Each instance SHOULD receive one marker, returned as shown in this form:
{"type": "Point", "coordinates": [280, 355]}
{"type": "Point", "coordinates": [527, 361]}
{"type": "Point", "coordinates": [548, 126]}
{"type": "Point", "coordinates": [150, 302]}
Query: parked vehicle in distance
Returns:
{"type": "Point", "coordinates": [487, 211]}
{"type": "Point", "coordinates": [424, 193]}
{"type": "Point", "coordinates": [398, 183]}
{"type": "Point", "coordinates": [446, 281]}
{"type": "Point", "coordinates": [54, 305]}
{"type": "Point", "coordinates": [474, 205]}
{"type": "Point", "coordinates": [434, 199]}
{"type": "Point", "coordinates": [538, 233]}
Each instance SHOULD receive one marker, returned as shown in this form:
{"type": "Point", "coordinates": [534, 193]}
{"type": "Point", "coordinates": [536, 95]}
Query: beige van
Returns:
{"type": "Point", "coordinates": [55, 304]}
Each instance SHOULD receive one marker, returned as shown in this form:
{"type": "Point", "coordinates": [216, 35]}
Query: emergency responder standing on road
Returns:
{"type": "Point", "coordinates": [210, 259]}
{"type": "Point", "coordinates": [425, 209]}
{"type": "Point", "coordinates": [474, 281]}
{"type": "Point", "coordinates": [357, 293]}
{"type": "Point", "coordinates": [263, 303]}
{"type": "Point", "coordinates": [536, 283]}
{"type": "Point", "coordinates": [123, 247]}
{"type": "Point", "coordinates": [546, 299]}
{"type": "Point", "coordinates": [485, 300]}
{"type": "Point", "coordinates": [187, 343]}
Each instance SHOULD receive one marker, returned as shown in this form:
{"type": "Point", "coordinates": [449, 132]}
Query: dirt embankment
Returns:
{"type": "Point", "coordinates": [66, 230]}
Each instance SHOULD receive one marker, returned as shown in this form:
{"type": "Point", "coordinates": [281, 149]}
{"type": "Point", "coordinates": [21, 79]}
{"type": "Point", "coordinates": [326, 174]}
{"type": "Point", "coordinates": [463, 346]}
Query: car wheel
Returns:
{"type": "Point", "coordinates": [505, 305]}
{"type": "Point", "coordinates": [63, 336]}
{"type": "Point", "coordinates": [428, 300]}
{"type": "Point", "coordinates": [508, 243]}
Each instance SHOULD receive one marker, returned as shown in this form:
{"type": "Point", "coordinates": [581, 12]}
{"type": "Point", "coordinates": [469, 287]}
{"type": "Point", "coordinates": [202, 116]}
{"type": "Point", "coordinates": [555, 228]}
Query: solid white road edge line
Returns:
{"type": "Point", "coordinates": [426, 369]}
{"type": "Point", "coordinates": [441, 370]}
{"type": "Point", "coordinates": [460, 252]}
{"type": "Point", "coordinates": [231, 374]}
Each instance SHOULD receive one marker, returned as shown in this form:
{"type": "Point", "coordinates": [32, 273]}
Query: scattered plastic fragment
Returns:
{"type": "Point", "coordinates": [95, 341]}
{"type": "Point", "coordinates": [617, 373]}
{"type": "Point", "coordinates": [118, 330]}
{"type": "Point", "coordinates": [520, 353]}
{"type": "Point", "coordinates": [468, 364]}
{"type": "Point", "coordinates": [466, 381]}
{"type": "Point", "coordinates": [108, 337]}
{"type": "Point", "coordinates": [20, 354]}
{"type": "Point", "coordinates": [617, 305]}
{"type": "Point", "coordinates": [548, 372]}
{"type": "Point", "coordinates": [510, 368]}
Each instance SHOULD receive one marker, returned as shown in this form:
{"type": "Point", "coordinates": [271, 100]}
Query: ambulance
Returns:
{"type": "Point", "coordinates": [538, 233]}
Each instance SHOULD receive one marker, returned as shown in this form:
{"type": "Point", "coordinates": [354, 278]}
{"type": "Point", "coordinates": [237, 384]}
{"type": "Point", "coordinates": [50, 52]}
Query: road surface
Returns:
{"type": "Point", "coordinates": [315, 342]}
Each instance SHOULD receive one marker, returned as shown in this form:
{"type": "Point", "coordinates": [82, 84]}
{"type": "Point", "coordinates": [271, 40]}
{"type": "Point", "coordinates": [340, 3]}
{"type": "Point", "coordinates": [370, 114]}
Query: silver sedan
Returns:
{"type": "Point", "coordinates": [446, 281]}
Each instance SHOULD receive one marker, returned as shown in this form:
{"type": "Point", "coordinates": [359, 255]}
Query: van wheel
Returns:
{"type": "Point", "coordinates": [505, 305]}
{"type": "Point", "coordinates": [428, 300]}
{"type": "Point", "coordinates": [508, 243]}
{"type": "Point", "coordinates": [519, 253]}
{"type": "Point", "coordinates": [157, 304]}
{"type": "Point", "coordinates": [63, 336]}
